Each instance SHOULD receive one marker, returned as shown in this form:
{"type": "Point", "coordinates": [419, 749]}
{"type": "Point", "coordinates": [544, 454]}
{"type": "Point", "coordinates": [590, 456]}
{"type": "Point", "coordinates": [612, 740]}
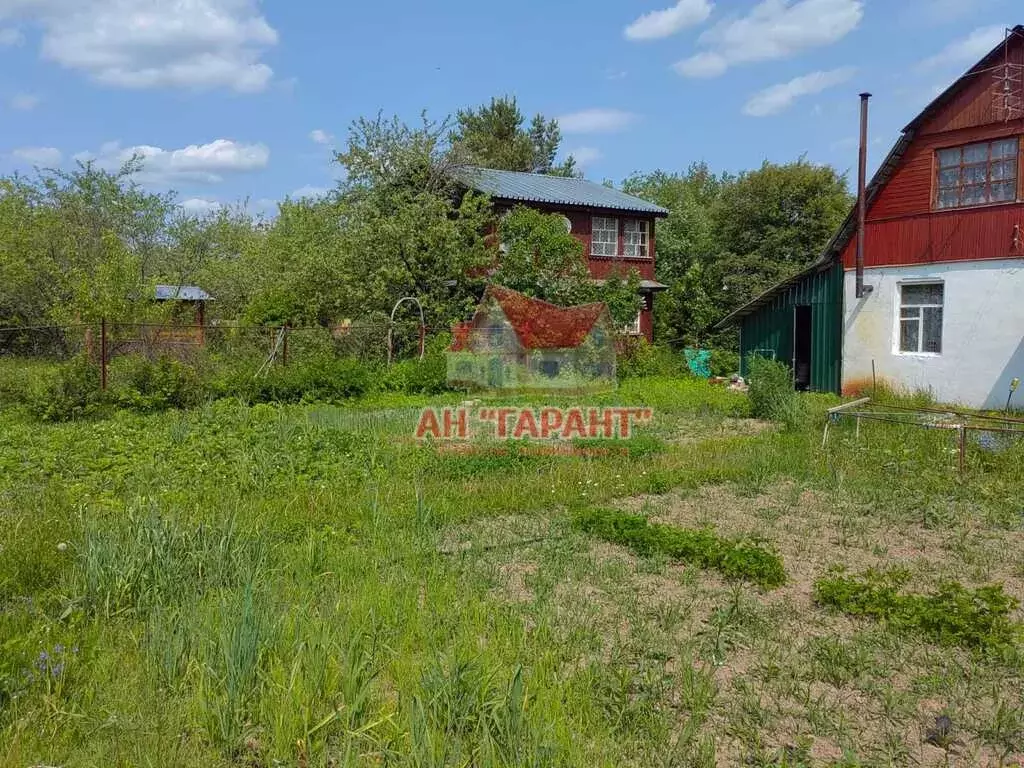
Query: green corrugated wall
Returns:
{"type": "Point", "coordinates": [770, 328]}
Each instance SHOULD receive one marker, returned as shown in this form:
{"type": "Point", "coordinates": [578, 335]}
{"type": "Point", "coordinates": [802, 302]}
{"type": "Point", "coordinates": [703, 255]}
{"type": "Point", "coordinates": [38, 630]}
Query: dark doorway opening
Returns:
{"type": "Point", "coordinates": [802, 347]}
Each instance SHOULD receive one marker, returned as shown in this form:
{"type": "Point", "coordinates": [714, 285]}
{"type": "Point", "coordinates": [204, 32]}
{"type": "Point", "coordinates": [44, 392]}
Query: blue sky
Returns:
{"type": "Point", "coordinates": [239, 99]}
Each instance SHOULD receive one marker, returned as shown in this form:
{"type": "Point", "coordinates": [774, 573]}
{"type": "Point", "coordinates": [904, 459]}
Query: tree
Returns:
{"type": "Point", "coordinates": [727, 239]}
{"type": "Point", "coordinates": [686, 246]}
{"type": "Point", "coordinates": [493, 135]}
{"type": "Point", "coordinates": [541, 259]}
{"type": "Point", "coordinates": [78, 245]}
{"type": "Point", "coordinates": [771, 223]}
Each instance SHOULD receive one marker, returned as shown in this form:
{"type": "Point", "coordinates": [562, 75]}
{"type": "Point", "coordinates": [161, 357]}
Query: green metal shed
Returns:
{"type": "Point", "coordinates": [799, 322]}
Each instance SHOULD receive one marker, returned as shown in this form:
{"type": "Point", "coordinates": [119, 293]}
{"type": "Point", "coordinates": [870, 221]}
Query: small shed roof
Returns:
{"type": "Point", "coordinates": [181, 293]}
{"type": "Point", "coordinates": [553, 190]}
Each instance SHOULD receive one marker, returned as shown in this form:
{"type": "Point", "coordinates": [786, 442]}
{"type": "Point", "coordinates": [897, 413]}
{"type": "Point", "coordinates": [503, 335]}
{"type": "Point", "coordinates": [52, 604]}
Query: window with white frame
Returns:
{"type": "Point", "coordinates": [633, 328]}
{"type": "Point", "coordinates": [634, 238]}
{"type": "Point", "coordinates": [921, 317]}
{"type": "Point", "coordinates": [604, 236]}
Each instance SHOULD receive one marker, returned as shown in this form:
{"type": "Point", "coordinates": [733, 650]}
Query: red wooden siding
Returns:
{"type": "Point", "coordinates": [975, 105]}
{"type": "Point", "coordinates": [903, 225]}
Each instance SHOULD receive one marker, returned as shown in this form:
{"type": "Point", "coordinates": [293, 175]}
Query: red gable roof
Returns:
{"type": "Point", "coordinates": [540, 324]}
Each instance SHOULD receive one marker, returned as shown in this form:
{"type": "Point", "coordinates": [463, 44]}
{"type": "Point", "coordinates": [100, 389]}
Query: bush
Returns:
{"type": "Point", "coordinates": [428, 376]}
{"type": "Point", "coordinates": [72, 393]}
{"type": "Point", "coordinates": [724, 362]}
{"type": "Point", "coordinates": [734, 558]}
{"type": "Point", "coordinates": [638, 358]}
{"type": "Point", "coordinates": [147, 386]}
{"type": "Point", "coordinates": [324, 378]}
{"type": "Point", "coordinates": [772, 396]}
{"type": "Point", "coordinates": [952, 615]}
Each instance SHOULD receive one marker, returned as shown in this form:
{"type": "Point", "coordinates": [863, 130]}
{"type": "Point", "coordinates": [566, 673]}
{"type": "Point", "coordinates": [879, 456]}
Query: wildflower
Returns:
{"type": "Point", "coordinates": [62, 547]}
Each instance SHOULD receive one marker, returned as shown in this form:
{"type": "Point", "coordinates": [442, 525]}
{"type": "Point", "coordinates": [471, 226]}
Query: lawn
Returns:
{"type": "Point", "coordinates": [307, 585]}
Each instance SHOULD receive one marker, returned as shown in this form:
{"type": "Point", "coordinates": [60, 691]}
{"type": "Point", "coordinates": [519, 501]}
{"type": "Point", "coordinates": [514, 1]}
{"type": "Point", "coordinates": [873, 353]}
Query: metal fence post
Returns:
{"type": "Point", "coordinates": [103, 354]}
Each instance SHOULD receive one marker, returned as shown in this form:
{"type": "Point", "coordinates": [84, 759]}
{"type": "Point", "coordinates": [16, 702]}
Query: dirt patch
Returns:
{"type": "Point", "coordinates": [787, 681]}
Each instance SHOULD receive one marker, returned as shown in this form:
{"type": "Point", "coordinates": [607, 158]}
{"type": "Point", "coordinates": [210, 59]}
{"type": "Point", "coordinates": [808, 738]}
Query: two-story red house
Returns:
{"type": "Point", "coordinates": [943, 309]}
{"type": "Point", "coordinates": [617, 230]}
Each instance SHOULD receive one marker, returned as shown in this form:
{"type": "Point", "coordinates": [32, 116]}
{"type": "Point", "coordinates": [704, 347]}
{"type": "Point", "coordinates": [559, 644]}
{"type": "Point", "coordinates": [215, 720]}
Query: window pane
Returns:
{"type": "Point", "coordinates": [932, 330]}
{"type": "Point", "coordinates": [908, 335]}
{"type": "Point", "coordinates": [949, 177]}
{"type": "Point", "coordinates": [909, 313]}
{"type": "Point", "coordinates": [976, 153]}
{"type": "Point", "coordinates": [1004, 169]}
{"type": "Point", "coordinates": [949, 157]}
{"type": "Point", "coordinates": [1004, 148]}
{"type": "Point", "coordinates": [975, 174]}
{"type": "Point", "coordinates": [604, 236]}
{"type": "Point", "coordinates": [926, 293]}
{"type": "Point", "coordinates": [973, 195]}
{"type": "Point", "coordinates": [1004, 191]}
{"type": "Point", "coordinates": [949, 198]}
{"type": "Point", "coordinates": [635, 238]}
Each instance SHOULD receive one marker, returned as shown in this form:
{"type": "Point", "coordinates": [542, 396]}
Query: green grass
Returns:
{"type": "Point", "coordinates": [306, 585]}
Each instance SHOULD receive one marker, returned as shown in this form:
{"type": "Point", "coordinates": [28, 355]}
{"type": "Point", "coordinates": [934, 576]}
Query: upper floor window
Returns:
{"type": "Point", "coordinates": [604, 240]}
{"type": "Point", "coordinates": [634, 238]}
{"type": "Point", "coordinates": [921, 317]}
{"type": "Point", "coordinates": [977, 174]}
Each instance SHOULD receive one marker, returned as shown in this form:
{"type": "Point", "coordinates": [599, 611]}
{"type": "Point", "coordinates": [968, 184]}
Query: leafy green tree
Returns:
{"type": "Point", "coordinates": [727, 239]}
{"type": "Point", "coordinates": [541, 259]}
{"type": "Point", "coordinates": [771, 223]}
{"type": "Point", "coordinates": [686, 246]}
{"type": "Point", "coordinates": [494, 136]}
{"type": "Point", "coordinates": [78, 245]}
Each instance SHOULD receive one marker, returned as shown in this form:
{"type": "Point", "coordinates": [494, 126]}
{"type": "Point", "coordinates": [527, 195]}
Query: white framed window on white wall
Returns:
{"type": "Point", "coordinates": [920, 329]}
{"type": "Point", "coordinates": [634, 238]}
{"type": "Point", "coordinates": [604, 236]}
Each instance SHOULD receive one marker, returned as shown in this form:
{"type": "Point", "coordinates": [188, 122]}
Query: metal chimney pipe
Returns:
{"type": "Point", "coordinates": [862, 202]}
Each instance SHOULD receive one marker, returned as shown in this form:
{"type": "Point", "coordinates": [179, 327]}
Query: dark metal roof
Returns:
{"type": "Point", "coordinates": [553, 190]}
{"type": "Point", "coordinates": [181, 293]}
{"type": "Point", "coordinates": [849, 227]}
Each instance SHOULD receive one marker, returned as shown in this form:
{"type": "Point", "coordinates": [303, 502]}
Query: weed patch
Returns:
{"type": "Point", "coordinates": [734, 558]}
{"type": "Point", "coordinates": [951, 615]}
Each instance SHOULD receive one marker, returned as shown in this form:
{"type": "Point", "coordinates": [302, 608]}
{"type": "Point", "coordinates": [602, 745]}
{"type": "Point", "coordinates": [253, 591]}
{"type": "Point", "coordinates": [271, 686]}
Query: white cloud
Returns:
{"type": "Point", "coordinates": [309, 191]}
{"type": "Point", "coordinates": [24, 102]}
{"type": "Point", "coordinates": [10, 36]}
{"type": "Point", "coordinates": [966, 50]}
{"type": "Point", "coordinates": [43, 156]}
{"type": "Point", "coordinates": [778, 98]}
{"type": "Point", "coordinates": [196, 163]}
{"type": "Point", "coordinates": [665, 23]}
{"type": "Point", "coordinates": [199, 206]}
{"type": "Point", "coordinates": [596, 121]}
{"type": "Point", "coordinates": [149, 44]}
{"type": "Point", "coordinates": [320, 136]}
{"type": "Point", "coordinates": [774, 29]}
{"type": "Point", "coordinates": [586, 156]}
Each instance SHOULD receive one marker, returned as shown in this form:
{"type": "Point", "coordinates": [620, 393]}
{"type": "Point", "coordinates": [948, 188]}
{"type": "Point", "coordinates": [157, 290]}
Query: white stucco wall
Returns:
{"type": "Point", "coordinates": [982, 332]}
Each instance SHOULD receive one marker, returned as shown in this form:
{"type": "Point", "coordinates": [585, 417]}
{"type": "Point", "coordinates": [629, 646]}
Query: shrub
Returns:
{"type": "Point", "coordinates": [951, 615]}
{"type": "Point", "coordinates": [724, 362]}
{"type": "Point", "coordinates": [148, 386]}
{"type": "Point", "coordinates": [73, 392]}
{"type": "Point", "coordinates": [772, 396]}
{"type": "Point", "coordinates": [428, 376]}
{"type": "Point", "coordinates": [637, 357]}
{"type": "Point", "coordinates": [734, 558]}
{"type": "Point", "coordinates": [325, 378]}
